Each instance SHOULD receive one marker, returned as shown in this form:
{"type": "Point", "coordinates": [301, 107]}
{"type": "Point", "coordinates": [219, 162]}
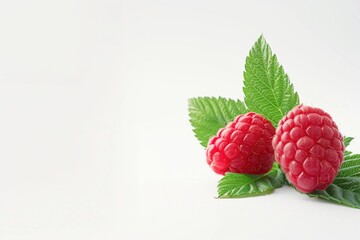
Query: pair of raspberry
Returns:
{"type": "Point", "coordinates": [307, 145]}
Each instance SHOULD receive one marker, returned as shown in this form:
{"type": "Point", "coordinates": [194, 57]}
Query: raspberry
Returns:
{"type": "Point", "coordinates": [309, 148]}
{"type": "Point", "coordinates": [243, 146]}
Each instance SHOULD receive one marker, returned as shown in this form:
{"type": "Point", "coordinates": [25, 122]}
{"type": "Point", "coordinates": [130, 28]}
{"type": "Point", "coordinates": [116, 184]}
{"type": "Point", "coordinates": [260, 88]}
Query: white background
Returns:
{"type": "Point", "coordinates": [95, 141]}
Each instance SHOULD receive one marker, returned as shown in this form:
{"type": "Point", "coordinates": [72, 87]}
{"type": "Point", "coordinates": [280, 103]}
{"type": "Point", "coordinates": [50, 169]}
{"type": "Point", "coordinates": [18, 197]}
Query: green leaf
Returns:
{"type": "Point", "coordinates": [350, 166]}
{"type": "Point", "coordinates": [209, 114]}
{"type": "Point", "coordinates": [234, 185]}
{"type": "Point", "coordinates": [337, 194]}
{"type": "Point", "coordinates": [347, 141]}
{"type": "Point", "coordinates": [347, 153]}
{"type": "Point", "coordinates": [349, 183]}
{"type": "Point", "coordinates": [267, 87]}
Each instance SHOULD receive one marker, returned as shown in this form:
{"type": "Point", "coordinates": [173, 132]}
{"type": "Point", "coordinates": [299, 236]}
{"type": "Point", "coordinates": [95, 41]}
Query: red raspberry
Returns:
{"type": "Point", "coordinates": [309, 148]}
{"type": "Point", "coordinates": [243, 146]}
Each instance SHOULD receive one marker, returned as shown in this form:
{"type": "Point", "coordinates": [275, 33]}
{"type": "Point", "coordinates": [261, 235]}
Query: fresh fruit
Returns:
{"type": "Point", "coordinates": [243, 146]}
{"type": "Point", "coordinates": [309, 148]}
{"type": "Point", "coordinates": [307, 144]}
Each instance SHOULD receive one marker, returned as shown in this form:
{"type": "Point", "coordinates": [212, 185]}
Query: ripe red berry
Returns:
{"type": "Point", "coordinates": [243, 146]}
{"type": "Point", "coordinates": [309, 148]}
